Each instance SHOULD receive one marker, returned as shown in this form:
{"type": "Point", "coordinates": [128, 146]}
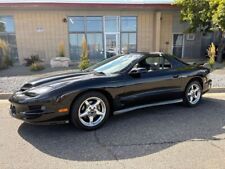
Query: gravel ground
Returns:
{"type": "Point", "coordinates": [218, 78]}
{"type": "Point", "coordinates": [13, 78]}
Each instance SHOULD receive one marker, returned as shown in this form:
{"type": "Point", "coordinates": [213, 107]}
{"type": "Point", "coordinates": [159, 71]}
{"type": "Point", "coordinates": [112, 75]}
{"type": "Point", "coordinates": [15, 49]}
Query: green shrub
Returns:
{"type": "Point", "coordinates": [84, 60]}
{"type": "Point", "coordinates": [32, 59]}
{"type": "Point", "coordinates": [212, 54]}
{"type": "Point", "coordinates": [36, 67]}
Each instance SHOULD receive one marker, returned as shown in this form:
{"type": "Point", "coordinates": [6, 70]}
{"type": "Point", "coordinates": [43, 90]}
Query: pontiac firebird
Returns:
{"type": "Point", "coordinates": [116, 85]}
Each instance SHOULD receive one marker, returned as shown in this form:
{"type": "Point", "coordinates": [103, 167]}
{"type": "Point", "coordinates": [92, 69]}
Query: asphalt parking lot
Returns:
{"type": "Point", "coordinates": [169, 136]}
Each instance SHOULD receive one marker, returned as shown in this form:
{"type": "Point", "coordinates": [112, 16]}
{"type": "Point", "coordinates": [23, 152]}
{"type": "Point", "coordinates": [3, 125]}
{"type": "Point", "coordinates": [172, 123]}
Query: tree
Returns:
{"type": "Point", "coordinates": [84, 60]}
{"type": "Point", "coordinates": [218, 13]}
{"type": "Point", "coordinates": [205, 16]}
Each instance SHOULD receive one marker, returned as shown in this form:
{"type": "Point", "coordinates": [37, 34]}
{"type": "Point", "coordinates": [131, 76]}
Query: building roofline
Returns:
{"type": "Point", "coordinates": [94, 5]}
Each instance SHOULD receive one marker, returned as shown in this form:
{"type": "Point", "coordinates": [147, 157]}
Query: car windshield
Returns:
{"type": "Point", "coordinates": [115, 64]}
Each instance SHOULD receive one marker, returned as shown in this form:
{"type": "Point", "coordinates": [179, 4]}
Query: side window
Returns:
{"type": "Point", "coordinates": [153, 60]}
{"type": "Point", "coordinates": [167, 64]}
{"type": "Point", "coordinates": [154, 63]}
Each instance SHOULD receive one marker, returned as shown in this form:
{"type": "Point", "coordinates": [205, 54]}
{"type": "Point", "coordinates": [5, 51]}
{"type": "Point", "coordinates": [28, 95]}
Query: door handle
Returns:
{"type": "Point", "coordinates": [175, 76]}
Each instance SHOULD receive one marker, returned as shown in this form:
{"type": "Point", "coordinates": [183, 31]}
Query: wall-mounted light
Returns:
{"type": "Point", "coordinates": [167, 43]}
{"type": "Point", "coordinates": [64, 20]}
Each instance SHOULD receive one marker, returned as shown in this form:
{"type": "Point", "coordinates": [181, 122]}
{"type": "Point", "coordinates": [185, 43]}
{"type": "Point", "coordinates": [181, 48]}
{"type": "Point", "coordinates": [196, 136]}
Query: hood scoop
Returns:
{"type": "Point", "coordinates": [26, 87]}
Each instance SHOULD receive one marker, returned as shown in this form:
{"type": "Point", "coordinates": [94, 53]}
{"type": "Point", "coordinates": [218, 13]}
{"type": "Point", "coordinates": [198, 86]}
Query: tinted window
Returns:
{"type": "Point", "coordinates": [153, 60]}
{"type": "Point", "coordinates": [153, 63]}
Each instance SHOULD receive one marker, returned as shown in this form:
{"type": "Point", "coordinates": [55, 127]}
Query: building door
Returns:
{"type": "Point", "coordinates": [112, 33]}
{"type": "Point", "coordinates": [111, 44]}
{"type": "Point", "coordinates": [178, 45]}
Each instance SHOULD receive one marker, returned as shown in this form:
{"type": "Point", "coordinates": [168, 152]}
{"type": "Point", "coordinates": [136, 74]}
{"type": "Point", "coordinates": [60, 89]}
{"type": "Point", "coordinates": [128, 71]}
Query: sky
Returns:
{"type": "Point", "coordinates": [92, 1]}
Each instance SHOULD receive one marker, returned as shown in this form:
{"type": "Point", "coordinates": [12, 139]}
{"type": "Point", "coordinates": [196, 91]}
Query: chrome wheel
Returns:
{"type": "Point", "coordinates": [194, 94]}
{"type": "Point", "coordinates": [92, 111]}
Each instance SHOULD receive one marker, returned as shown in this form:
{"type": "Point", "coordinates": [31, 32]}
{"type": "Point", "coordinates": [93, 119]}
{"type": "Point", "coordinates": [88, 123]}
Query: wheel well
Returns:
{"type": "Point", "coordinates": [196, 79]}
{"type": "Point", "coordinates": [105, 93]}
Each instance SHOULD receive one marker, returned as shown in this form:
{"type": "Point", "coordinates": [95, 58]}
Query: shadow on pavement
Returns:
{"type": "Point", "coordinates": [130, 135]}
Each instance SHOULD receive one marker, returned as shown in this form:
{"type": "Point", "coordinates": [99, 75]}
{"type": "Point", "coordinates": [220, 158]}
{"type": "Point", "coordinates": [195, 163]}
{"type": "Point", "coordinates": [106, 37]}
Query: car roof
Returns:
{"type": "Point", "coordinates": [174, 60]}
{"type": "Point", "coordinates": [149, 53]}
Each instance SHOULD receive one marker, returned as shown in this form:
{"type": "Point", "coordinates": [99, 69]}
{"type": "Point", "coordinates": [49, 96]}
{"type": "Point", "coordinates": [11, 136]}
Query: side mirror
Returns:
{"type": "Point", "coordinates": [137, 71]}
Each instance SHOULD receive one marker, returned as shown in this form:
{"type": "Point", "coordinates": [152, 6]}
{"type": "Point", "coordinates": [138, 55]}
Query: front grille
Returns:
{"type": "Point", "coordinates": [35, 107]}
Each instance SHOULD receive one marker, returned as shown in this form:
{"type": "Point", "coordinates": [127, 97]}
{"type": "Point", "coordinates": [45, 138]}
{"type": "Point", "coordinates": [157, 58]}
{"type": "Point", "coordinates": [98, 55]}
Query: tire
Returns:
{"type": "Point", "coordinates": [193, 94]}
{"type": "Point", "coordinates": [90, 111]}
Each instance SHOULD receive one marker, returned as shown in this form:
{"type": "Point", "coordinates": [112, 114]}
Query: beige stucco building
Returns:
{"type": "Point", "coordinates": [109, 28]}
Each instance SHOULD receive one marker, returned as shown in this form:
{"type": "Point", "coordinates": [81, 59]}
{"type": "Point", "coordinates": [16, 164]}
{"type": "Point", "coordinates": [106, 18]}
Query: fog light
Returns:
{"type": "Point", "coordinates": [43, 108]}
{"type": "Point", "coordinates": [63, 110]}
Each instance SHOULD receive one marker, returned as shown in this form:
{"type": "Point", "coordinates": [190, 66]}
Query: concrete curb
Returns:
{"type": "Point", "coordinates": [217, 90]}
{"type": "Point", "coordinates": [4, 96]}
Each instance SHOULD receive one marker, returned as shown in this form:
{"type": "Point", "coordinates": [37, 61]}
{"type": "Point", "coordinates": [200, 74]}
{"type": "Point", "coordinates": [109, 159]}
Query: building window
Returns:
{"type": "Point", "coordinates": [178, 44]}
{"type": "Point", "coordinates": [76, 24]}
{"type": "Point", "coordinates": [75, 40]}
{"type": "Point", "coordinates": [95, 46]}
{"type": "Point", "coordinates": [7, 33]}
{"type": "Point", "coordinates": [92, 29]}
{"type": "Point", "coordinates": [116, 35]}
{"type": "Point", "coordinates": [128, 24]}
{"type": "Point", "coordinates": [128, 34]}
{"type": "Point", "coordinates": [111, 24]}
{"type": "Point", "coordinates": [128, 42]}
{"type": "Point", "coordinates": [94, 24]}
{"type": "Point", "coordinates": [94, 36]}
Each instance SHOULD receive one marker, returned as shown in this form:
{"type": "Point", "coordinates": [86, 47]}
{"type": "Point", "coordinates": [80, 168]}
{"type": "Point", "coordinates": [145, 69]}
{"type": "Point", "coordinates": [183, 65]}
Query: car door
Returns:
{"type": "Point", "coordinates": [155, 85]}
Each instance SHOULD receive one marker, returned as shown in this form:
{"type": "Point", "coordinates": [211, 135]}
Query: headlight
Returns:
{"type": "Point", "coordinates": [38, 91]}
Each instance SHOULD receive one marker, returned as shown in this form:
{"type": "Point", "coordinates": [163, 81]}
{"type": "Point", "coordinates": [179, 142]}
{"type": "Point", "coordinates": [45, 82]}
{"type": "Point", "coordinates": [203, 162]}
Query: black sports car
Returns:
{"type": "Point", "coordinates": [116, 85]}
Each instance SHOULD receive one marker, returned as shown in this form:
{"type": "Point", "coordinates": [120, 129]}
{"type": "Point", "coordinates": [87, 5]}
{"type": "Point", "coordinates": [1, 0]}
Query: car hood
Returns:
{"type": "Point", "coordinates": [58, 80]}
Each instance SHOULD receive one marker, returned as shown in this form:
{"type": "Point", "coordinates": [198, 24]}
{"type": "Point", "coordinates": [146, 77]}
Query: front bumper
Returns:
{"type": "Point", "coordinates": [36, 111]}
